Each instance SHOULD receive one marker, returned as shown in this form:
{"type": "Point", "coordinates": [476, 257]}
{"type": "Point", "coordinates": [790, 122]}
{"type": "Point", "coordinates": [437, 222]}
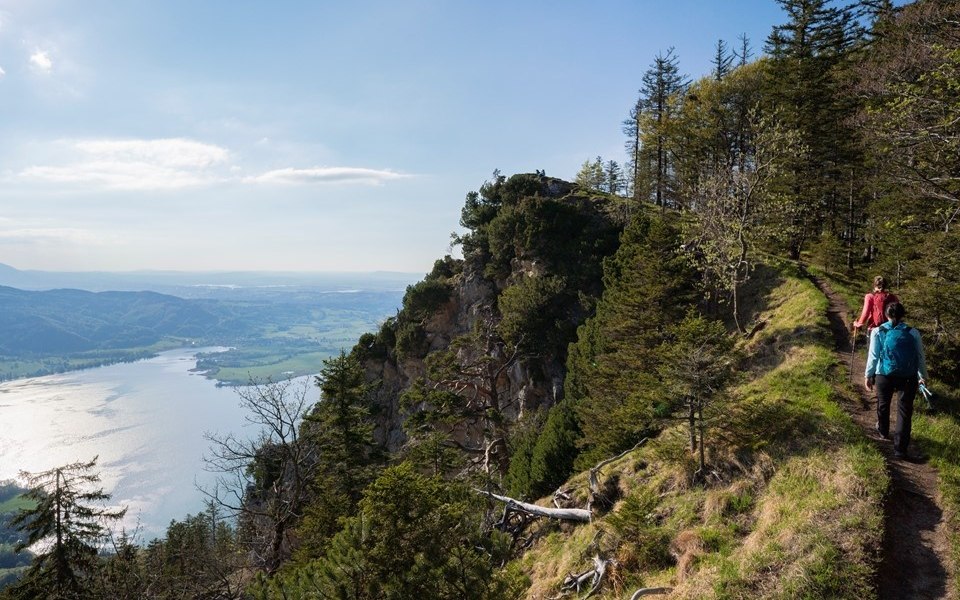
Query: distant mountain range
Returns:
{"type": "Point", "coordinates": [220, 284]}
{"type": "Point", "coordinates": [67, 321]}
{"type": "Point", "coordinates": [51, 322]}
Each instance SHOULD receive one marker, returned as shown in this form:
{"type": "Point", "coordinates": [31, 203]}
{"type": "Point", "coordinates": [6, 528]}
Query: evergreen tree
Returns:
{"type": "Point", "coordinates": [722, 60]}
{"type": "Point", "coordinates": [592, 175]}
{"type": "Point", "coordinates": [612, 366]}
{"type": "Point", "coordinates": [660, 96]}
{"type": "Point", "coordinates": [809, 58]}
{"type": "Point", "coordinates": [553, 455]}
{"type": "Point", "coordinates": [746, 52]}
{"type": "Point", "coordinates": [696, 367]}
{"type": "Point", "coordinates": [415, 537]}
{"type": "Point", "coordinates": [65, 528]}
{"type": "Point", "coordinates": [613, 177]}
{"type": "Point", "coordinates": [340, 428]}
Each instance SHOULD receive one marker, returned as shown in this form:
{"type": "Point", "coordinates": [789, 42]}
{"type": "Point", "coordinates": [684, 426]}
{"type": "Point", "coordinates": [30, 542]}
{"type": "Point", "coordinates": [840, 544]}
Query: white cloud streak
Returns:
{"type": "Point", "coordinates": [2, 72]}
{"type": "Point", "coordinates": [55, 236]}
{"type": "Point", "coordinates": [291, 176]}
{"type": "Point", "coordinates": [135, 165]}
{"type": "Point", "coordinates": [117, 175]}
{"type": "Point", "coordinates": [173, 152]}
{"type": "Point", "coordinates": [177, 163]}
{"type": "Point", "coordinates": [40, 61]}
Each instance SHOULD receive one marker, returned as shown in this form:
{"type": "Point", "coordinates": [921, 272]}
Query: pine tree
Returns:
{"type": "Point", "coordinates": [660, 96]}
{"type": "Point", "coordinates": [722, 60]}
{"type": "Point", "coordinates": [809, 56]}
{"type": "Point", "coordinates": [340, 428]}
{"type": "Point", "coordinates": [612, 367]}
{"type": "Point", "coordinates": [65, 528]}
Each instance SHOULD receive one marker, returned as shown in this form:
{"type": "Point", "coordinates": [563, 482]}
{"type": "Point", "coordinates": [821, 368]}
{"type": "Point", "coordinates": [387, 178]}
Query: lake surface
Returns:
{"type": "Point", "coordinates": [146, 421]}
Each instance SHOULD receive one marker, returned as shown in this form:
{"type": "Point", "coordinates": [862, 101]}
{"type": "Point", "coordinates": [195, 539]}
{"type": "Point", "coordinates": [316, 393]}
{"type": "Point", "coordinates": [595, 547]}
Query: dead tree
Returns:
{"type": "Point", "coordinates": [265, 480]}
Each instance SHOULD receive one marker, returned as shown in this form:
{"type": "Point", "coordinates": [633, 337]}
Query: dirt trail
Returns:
{"type": "Point", "coordinates": [916, 559]}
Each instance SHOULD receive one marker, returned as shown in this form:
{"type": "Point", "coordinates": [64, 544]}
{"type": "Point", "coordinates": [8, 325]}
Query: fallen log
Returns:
{"type": "Point", "coordinates": [564, 514]}
{"type": "Point", "coordinates": [650, 592]}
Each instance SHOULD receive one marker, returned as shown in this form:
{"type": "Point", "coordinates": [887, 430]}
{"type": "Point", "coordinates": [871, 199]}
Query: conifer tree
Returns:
{"type": "Point", "coordinates": [343, 429]}
{"type": "Point", "coordinates": [660, 96]}
{"type": "Point", "coordinates": [695, 370]}
{"type": "Point", "coordinates": [612, 366]}
{"type": "Point", "coordinates": [809, 55]}
{"type": "Point", "coordinates": [613, 176]}
{"type": "Point", "coordinates": [65, 528]}
{"type": "Point", "coordinates": [592, 175]}
{"type": "Point", "coordinates": [722, 60]}
{"type": "Point", "coordinates": [340, 428]}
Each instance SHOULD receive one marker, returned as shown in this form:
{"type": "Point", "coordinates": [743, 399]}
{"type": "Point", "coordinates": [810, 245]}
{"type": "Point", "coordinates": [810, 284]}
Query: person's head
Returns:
{"type": "Point", "coordinates": [895, 312]}
{"type": "Point", "coordinates": [879, 283]}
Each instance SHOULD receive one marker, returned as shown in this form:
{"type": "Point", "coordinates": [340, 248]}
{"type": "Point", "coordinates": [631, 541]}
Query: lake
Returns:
{"type": "Point", "coordinates": [146, 420]}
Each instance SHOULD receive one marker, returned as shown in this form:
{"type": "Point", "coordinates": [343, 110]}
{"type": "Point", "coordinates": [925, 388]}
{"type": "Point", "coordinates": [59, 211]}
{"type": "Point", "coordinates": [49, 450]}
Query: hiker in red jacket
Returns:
{"type": "Point", "coordinates": [874, 303]}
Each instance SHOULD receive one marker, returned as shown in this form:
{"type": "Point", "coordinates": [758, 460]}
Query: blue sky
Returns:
{"type": "Point", "coordinates": [309, 136]}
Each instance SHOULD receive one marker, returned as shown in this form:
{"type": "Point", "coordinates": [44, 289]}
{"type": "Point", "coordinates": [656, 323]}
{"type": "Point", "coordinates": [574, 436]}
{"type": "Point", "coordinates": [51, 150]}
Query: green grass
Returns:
{"type": "Point", "coordinates": [939, 436]}
{"type": "Point", "coordinates": [813, 526]}
{"type": "Point", "coordinates": [795, 506]}
{"type": "Point", "coordinates": [15, 504]}
{"type": "Point", "coordinates": [274, 366]}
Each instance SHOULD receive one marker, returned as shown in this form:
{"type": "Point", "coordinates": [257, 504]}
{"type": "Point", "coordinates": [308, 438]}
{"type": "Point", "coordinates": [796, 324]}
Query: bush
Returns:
{"type": "Point", "coordinates": [551, 461]}
{"type": "Point", "coordinates": [424, 298]}
{"type": "Point", "coordinates": [411, 341]}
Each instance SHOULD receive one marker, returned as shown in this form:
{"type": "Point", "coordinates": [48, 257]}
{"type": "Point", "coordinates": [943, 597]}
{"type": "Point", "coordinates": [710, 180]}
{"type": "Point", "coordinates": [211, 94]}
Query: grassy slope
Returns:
{"type": "Point", "coordinates": [937, 434]}
{"type": "Point", "coordinates": [794, 508]}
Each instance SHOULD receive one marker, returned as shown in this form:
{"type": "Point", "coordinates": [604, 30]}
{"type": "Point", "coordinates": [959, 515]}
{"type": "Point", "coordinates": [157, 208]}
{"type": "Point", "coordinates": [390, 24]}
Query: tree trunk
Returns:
{"type": "Point", "coordinates": [564, 514]}
{"type": "Point", "coordinates": [692, 419]}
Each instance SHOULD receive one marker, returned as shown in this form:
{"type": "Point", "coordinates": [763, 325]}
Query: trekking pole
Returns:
{"type": "Point", "coordinates": [928, 396]}
{"type": "Point", "coordinates": [853, 349]}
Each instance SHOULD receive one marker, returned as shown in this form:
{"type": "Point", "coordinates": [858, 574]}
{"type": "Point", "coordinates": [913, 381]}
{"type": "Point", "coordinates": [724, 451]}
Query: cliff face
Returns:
{"type": "Point", "coordinates": [536, 229]}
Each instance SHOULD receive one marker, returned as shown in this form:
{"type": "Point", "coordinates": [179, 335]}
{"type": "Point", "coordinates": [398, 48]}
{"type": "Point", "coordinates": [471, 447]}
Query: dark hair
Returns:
{"type": "Point", "coordinates": [880, 282]}
{"type": "Point", "coordinates": [895, 311]}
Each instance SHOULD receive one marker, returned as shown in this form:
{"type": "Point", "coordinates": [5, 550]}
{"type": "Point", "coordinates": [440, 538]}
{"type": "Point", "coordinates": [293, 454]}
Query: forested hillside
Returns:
{"type": "Point", "coordinates": [272, 332]}
{"type": "Point", "coordinates": [628, 385]}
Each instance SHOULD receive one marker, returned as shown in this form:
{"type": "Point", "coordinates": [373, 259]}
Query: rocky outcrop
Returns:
{"type": "Point", "coordinates": [535, 381]}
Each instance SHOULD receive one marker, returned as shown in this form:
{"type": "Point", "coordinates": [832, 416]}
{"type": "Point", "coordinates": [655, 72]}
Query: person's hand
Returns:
{"type": "Point", "coordinates": [868, 383]}
{"type": "Point", "coordinates": [922, 381]}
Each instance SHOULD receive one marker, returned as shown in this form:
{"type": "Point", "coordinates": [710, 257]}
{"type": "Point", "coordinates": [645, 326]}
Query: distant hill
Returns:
{"type": "Point", "coordinates": [67, 321]}
{"type": "Point", "coordinates": [275, 330]}
{"type": "Point", "coordinates": [221, 285]}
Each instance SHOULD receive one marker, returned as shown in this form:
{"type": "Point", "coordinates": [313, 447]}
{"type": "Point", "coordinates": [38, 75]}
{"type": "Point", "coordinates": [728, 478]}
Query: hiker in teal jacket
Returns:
{"type": "Point", "coordinates": [895, 362]}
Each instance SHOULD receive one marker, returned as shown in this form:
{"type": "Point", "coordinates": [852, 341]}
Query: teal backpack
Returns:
{"type": "Point", "coordinates": [898, 351]}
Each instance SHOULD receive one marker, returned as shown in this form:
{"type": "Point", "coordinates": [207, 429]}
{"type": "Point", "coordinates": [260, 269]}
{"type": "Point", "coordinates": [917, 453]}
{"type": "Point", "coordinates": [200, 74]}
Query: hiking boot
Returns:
{"type": "Point", "coordinates": [880, 432]}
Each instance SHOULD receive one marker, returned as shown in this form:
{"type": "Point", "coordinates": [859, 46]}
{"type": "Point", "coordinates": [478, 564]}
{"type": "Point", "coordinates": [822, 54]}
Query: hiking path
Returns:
{"type": "Point", "coordinates": [916, 557]}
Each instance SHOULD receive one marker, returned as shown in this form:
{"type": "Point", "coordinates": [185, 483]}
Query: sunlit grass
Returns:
{"type": "Point", "coordinates": [794, 508]}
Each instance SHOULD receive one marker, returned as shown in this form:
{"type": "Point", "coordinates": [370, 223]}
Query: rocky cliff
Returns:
{"type": "Point", "coordinates": [515, 283]}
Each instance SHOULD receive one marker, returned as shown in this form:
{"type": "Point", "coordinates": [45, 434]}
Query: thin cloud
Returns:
{"type": "Point", "coordinates": [170, 152]}
{"type": "Point", "coordinates": [40, 60]}
{"type": "Point", "coordinates": [291, 176]}
{"type": "Point", "coordinates": [55, 236]}
{"type": "Point", "coordinates": [136, 165]}
{"type": "Point", "coordinates": [134, 176]}
{"type": "Point", "coordinates": [176, 163]}
{"type": "Point", "coordinates": [2, 72]}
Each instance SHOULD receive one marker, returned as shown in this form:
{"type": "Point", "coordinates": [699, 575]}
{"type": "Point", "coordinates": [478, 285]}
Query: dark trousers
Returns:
{"type": "Point", "coordinates": [907, 386]}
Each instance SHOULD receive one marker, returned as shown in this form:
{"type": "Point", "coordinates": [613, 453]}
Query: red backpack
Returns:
{"type": "Point", "coordinates": [878, 303]}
